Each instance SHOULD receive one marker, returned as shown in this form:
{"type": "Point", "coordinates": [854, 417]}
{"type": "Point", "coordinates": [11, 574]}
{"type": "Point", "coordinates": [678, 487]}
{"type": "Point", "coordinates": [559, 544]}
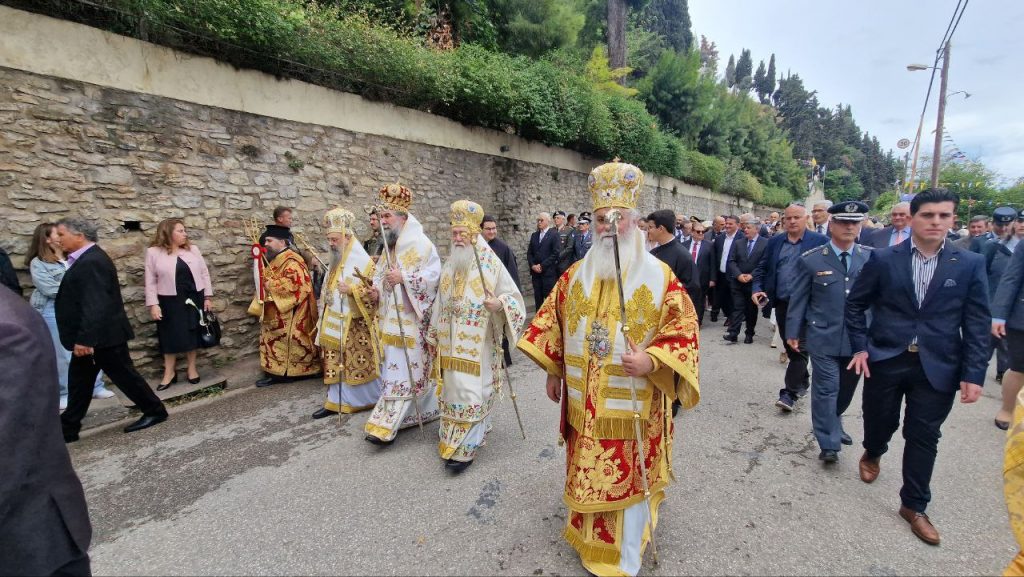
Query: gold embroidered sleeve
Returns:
{"type": "Point", "coordinates": [289, 285]}
{"type": "Point", "coordinates": [542, 340]}
{"type": "Point", "coordinates": [675, 347]}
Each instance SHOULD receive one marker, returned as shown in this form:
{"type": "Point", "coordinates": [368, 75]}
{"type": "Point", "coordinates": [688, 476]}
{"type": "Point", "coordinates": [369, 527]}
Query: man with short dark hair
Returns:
{"type": "Point", "coordinates": [542, 257]}
{"type": "Point", "coordinates": [93, 325]}
{"type": "Point", "coordinates": [489, 230]}
{"type": "Point", "coordinates": [977, 234]}
{"type": "Point", "coordinates": [670, 251]}
{"type": "Point", "coordinates": [928, 302]}
{"type": "Point", "coordinates": [374, 243]}
{"type": "Point", "coordinates": [282, 217]}
{"type": "Point", "coordinates": [702, 253]}
{"type": "Point", "coordinates": [722, 300]}
{"type": "Point", "coordinates": [998, 253]}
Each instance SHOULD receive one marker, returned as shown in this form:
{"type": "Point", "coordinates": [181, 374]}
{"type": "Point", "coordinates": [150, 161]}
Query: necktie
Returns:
{"type": "Point", "coordinates": [750, 247]}
{"type": "Point", "coordinates": [898, 239]}
{"type": "Point", "coordinates": [821, 229]}
{"type": "Point", "coordinates": [693, 251]}
{"type": "Point", "coordinates": [842, 259]}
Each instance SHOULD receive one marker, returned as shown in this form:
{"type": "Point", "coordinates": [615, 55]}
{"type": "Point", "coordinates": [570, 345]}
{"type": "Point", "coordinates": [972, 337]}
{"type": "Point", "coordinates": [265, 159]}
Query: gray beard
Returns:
{"type": "Point", "coordinates": [335, 258]}
{"type": "Point", "coordinates": [391, 237]}
{"type": "Point", "coordinates": [603, 251]}
{"type": "Point", "coordinates": [462, 258]}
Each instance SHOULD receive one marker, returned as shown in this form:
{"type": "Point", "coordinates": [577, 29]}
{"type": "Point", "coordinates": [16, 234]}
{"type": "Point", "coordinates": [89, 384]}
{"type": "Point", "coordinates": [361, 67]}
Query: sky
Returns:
{"type": "Point", "coordinates": [856, 53]}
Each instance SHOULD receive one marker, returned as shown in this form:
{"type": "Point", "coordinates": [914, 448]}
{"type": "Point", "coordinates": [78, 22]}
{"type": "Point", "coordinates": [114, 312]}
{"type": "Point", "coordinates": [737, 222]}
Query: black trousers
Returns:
{"type": "Point", "coordinates": [699, 301]}
{"type": "Point", "coordinates": [797, 379]}
{"type": "Point", "coordinates": [118, 365]}
{"type": "Point", "coordinates": [743, 308]}
{"type": "Point", "coordinates": [78, 567]}
{"type": "Point", "coordinates": [999, 347]}
{"type": "Point", "coordinates": [721, 297]}
{"type": "Point", "coordinates": [542, 285]}
{"type": "Point", "coordinates": [891, 381]}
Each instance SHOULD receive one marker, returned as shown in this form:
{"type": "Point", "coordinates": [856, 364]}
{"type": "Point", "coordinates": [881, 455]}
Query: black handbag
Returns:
{"type": "Point", "coordinates": [209, 330]}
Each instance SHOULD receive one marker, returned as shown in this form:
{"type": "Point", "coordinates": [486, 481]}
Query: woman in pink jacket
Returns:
{"type": "Point", "coordinates": [176, 274]}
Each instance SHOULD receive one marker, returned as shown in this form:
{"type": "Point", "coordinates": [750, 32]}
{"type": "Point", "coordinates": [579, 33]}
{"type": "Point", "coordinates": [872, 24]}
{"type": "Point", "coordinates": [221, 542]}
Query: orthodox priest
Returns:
{"type": "Point", "coordinates": [577, 337]}
{"type": "Point", "coordinates": [404, 287]}
{"type": "Point", "coordinates": [477, 303]}
{"type": "Point", "coordinates": [289, 317]}
{"type": "Point", "coordinates": [347, 333]}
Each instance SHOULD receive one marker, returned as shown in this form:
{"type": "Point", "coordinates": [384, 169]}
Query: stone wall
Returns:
{"type": "Point", "coordinates": [69, 147]}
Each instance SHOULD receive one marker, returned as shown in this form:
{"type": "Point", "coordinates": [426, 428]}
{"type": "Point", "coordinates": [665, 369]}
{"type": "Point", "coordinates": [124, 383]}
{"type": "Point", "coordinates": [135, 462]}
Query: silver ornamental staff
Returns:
{"type": "Point", "coordinates": [614, 216]}
{"type": "Point", "coordinates": [401, 328]}
{"type": "Point", "coordinates": [497, 344]}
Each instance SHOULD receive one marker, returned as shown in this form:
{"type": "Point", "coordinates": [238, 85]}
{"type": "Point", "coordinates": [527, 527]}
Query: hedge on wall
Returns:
{"type": "Point", "coordinates": [535, 99]}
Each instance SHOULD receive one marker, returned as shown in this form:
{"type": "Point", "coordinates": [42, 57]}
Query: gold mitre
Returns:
{"type": "Point", "coordinates": [616, 184]}
{"type": "Point", "coordinates": [339, 220]}
{"type": "Point", "coordinates": [468, 214]}
{"type": "Point", "coordinates": [395, 197]}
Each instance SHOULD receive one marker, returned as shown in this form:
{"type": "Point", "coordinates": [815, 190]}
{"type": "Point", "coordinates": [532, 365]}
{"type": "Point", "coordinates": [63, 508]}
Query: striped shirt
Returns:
{"type": "Point", "coordinates": [924, 270]}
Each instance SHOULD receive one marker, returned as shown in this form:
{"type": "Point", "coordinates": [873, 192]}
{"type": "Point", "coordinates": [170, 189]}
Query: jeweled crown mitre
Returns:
{"type": "Point", "coordinates": [468, 214]}
{"type": "Point", "coordinates": [338, 220]}
{"type": "Point", "coordinates": [395, 197]}
{"type": "Point", "coordinates": [616, 184]}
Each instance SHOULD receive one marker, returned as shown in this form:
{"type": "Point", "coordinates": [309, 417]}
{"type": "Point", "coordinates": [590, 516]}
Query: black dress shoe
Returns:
{"type": "Point", "coordinates": [748, 339]}
{"type": "Point", "coordinates": [323, 412]}
{"type": "Point", "coordinates": [145, 422]}
{"type": "Point", "coordinates": [195, 381]}
{"type": "Point", "coordinates": [267, 381]}
{"type": "Point", "coordinates": [845, 439]}
{"type": "Point", "coordinates": [378, 441]}
{"type": "Point", "coordinates": [675, 408]}
{"type": "Point", "coordinates": [457, 466]}
{"type": "Point", "coordinates": [730, 338]}
{"type": "Point", "coordinates": [829, 456]}
{"type": "Point", "coordinates": [70, 437]}
{"type": "Point", "coordinates": [714, 317]}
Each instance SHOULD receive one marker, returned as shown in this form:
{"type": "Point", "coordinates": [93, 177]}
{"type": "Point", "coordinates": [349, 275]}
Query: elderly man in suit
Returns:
{"type": "Point", "coordinates": [927, 341]}
{"type": "Point", "coordinates": [1008, 325]}
{"type": "Point", "coordinates": [773, 280]}
{"type": "Point", "coordinates": [746, 253]}
{"type": "Point", "coordinates": [93, 325]}
{"type": "Point", "coordinates": [897, 231]}
{"type": "Point", "coordinates": [824, 277]}
{"type": "Point", "coordinates": [702, 253]}
{"type": "Point", "coordinates": [542, 256]}
{"type": "Point", "coordinates": [44, 523]}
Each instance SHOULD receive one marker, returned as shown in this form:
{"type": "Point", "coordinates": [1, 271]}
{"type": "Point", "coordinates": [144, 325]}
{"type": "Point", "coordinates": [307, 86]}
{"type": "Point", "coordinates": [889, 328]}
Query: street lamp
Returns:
{"type": "Point", "coordinates": [936, 157]}
{"type": "Point", "coordinates": [916, 67]}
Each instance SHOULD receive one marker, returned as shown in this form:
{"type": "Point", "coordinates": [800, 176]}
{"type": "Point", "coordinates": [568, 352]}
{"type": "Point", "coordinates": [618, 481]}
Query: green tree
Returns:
{"type": "Point", "coordinates": [534, 27]}
{"type": "Point", "coordinates": [730, 72]}
{"type": "Point", "coordinates": [670, 19]}
{"type": "Point", "coordinates": [744, 69]}
{"type": "Point", "coordinates": [603, 77]}
{"type": "Point", "coordinates": [708, 58]}
{"type": "Point", "coordinates": [759, 78]}
{"type": "Point", "coordinates": [678, 95]}
{"type": "Point", "coordinates": [769, 80]}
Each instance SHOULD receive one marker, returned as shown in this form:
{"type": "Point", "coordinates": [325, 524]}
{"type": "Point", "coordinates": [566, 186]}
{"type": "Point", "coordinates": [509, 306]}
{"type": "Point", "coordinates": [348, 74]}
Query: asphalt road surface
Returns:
{"type": "Point", "coordinates": [248, 483]}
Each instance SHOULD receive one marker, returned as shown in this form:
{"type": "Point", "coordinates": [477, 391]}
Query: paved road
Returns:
{"type": "Point", "coordinates": [249, 484]}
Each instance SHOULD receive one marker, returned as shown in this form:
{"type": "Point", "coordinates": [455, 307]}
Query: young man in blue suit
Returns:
{"type": "Point", "coordinates": [773, 280]}
{"type": "Point", "coordinates": [824, 277]}
{"type": "Point", "coordinates": [928, 340]}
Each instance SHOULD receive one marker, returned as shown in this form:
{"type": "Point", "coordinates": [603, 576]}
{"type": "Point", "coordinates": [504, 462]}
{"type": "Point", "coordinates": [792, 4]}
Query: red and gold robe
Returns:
{"type": "Point", "coordinates": [577, 336]}
{"type": "Point", "coordinates": [289, 319]}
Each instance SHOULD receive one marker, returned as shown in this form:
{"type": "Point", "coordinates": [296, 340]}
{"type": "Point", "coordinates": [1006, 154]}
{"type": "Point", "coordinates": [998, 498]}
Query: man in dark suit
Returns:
{"type": "Point", "coordinates": [773, 280]}
{"type": "Point", "coordinates": [897, 232]}
{"type": "Point", "coordinates": [927, 340]}
{"type": "Point", "coordinates": [702, 253]}
{"type": "Point", "coordinates": [998, 253]}
{"type": "Point", "coordinates": [93, 325]}
{"type": "Point", "coordinates": [724, 240]}
{"type": "Point", "coordinates": [44, 523]}
{"type": "Point", "coordinates": [1008, 325]}
{"type": "Point", "coordinates": [669, 250]}
{"type": "Point", "coordinates": [824, 277]}
{"type": "Point", "coordinates": [489, 229]}
{"type": "Point", "coordinates": [583, 239]}
{"type": "Point", "coordinates": [746, 253]}
{"type": "Point", "coordinates": [8, 277]}
{"type": "Point", "coordinates": [542, 256]}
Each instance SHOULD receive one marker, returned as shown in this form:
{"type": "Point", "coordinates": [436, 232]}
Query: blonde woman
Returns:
{"type": "Point", "coordinates": [45, 260]}
{"type": "Point", "coordinates": [177, 283]}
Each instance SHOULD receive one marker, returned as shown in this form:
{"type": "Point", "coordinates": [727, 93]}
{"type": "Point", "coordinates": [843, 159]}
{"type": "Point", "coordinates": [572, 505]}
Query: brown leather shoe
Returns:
{"type": "Point", "coordinates": [920, 525]}
{"type": "Point", "coordinates": [869, 468]}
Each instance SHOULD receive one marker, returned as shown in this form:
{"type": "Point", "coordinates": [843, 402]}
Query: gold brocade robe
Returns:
{"type": "Point", "coordinates": [289, 319]}
{"type": "Point", "coordinates": [576, 335]}
{"type": "Point", "coordinates": [352, 318]}
{"type": "Point", "coordinates": [1013, 484]}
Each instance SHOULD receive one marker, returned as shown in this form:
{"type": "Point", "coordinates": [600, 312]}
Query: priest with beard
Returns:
{"type": "Point", "coordinates": [287, 350]}
{"type": "Point", "coordinates": [406, 276]}
{"type": "Point", "coordinates": [347, 333]}
{"type": "Point", "coordinates": [477, 303]}
{"type": "Point", "coordinates": [577, 338]}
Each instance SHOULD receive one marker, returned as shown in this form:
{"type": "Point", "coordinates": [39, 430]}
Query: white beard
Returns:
{"type": "Point", "coordinates": [603, 253]}
{"type": "Point", "coordinates": [461, 258]}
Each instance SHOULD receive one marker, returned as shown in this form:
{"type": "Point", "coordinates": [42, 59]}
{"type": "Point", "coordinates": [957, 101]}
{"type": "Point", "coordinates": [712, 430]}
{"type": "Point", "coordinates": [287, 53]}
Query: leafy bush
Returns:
{"type": "Point", "coordinates": [777, 197]}
{"type": "Point", "coordinates": [702, 170]}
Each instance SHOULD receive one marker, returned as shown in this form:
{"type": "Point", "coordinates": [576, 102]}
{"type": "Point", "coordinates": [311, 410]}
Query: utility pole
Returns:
{"type": "Point", "coordinates": [937, 157]}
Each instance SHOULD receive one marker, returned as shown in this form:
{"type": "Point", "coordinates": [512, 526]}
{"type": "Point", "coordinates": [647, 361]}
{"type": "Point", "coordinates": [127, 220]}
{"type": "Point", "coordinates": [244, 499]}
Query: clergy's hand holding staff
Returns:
{"type": "Point", "coordinates": [394, 277]}
{"type": "Point", "coordinates": [637, 362]}
{"type": "Point", "coordinates": [492, 304]}
{"type": "Point", "coordinates": [343, 288]}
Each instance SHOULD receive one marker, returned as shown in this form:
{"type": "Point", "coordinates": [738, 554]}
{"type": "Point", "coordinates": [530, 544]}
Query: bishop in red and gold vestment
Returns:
{"type": "Point", "coordinates": [577, 337]}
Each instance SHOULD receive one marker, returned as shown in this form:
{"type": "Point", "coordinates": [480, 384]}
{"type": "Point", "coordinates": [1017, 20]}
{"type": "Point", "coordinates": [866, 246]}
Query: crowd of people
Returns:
{"type": "Point", "coordinates": [620, 297]}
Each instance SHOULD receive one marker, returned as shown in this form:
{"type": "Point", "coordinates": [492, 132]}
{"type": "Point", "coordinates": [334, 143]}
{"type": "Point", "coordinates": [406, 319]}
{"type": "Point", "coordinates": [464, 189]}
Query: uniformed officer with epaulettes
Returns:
{"type": "Point", "coordinates": [825, 275]}
{"type": "Point", "coordinates": [997, 255]}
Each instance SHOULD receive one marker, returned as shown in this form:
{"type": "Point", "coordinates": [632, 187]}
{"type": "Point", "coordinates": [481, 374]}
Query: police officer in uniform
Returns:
{"type": "Point", "coordinates": [997, 255]}
{"type": "Point", "coordinates": [824, 277]}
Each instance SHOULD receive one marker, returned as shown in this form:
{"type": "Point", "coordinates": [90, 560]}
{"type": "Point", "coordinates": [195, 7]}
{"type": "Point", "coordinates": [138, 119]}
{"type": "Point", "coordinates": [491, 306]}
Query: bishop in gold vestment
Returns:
{"type": "Point", "coordinates": [347, 333]}
{"type": "Point", "coordinates": [577, 338]}
{"type": "Point", "coordinates": [289, 312]}
{"type": "Point", "coordinates": [477, 304]}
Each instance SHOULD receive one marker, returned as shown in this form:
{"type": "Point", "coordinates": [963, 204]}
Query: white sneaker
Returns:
{"type": "Point", "coordinates": [102, 393]}
{"type": "Point", "coordinates": [63, 402]}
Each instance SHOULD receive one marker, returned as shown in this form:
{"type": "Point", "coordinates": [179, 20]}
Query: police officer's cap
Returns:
{"type": "Point", "coordinates": [849, 211]}
{"type": "Point", "coordinates": [1004, 215]}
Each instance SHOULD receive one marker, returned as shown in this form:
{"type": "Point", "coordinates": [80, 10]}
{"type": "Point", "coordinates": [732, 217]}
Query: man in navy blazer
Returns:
{"type": "Point", "coordinates": [928, 339]}
{"type": "Point", "coordinates": [542, 256]}
{"type": "Point", "coordinates": [746, 253]}
{"type": "Point", "coordinates": [1008, 325]}
{"type": "Point", "coordinates": [774, 278]}
{"type": "Point", "coordinates": [895, 233]}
